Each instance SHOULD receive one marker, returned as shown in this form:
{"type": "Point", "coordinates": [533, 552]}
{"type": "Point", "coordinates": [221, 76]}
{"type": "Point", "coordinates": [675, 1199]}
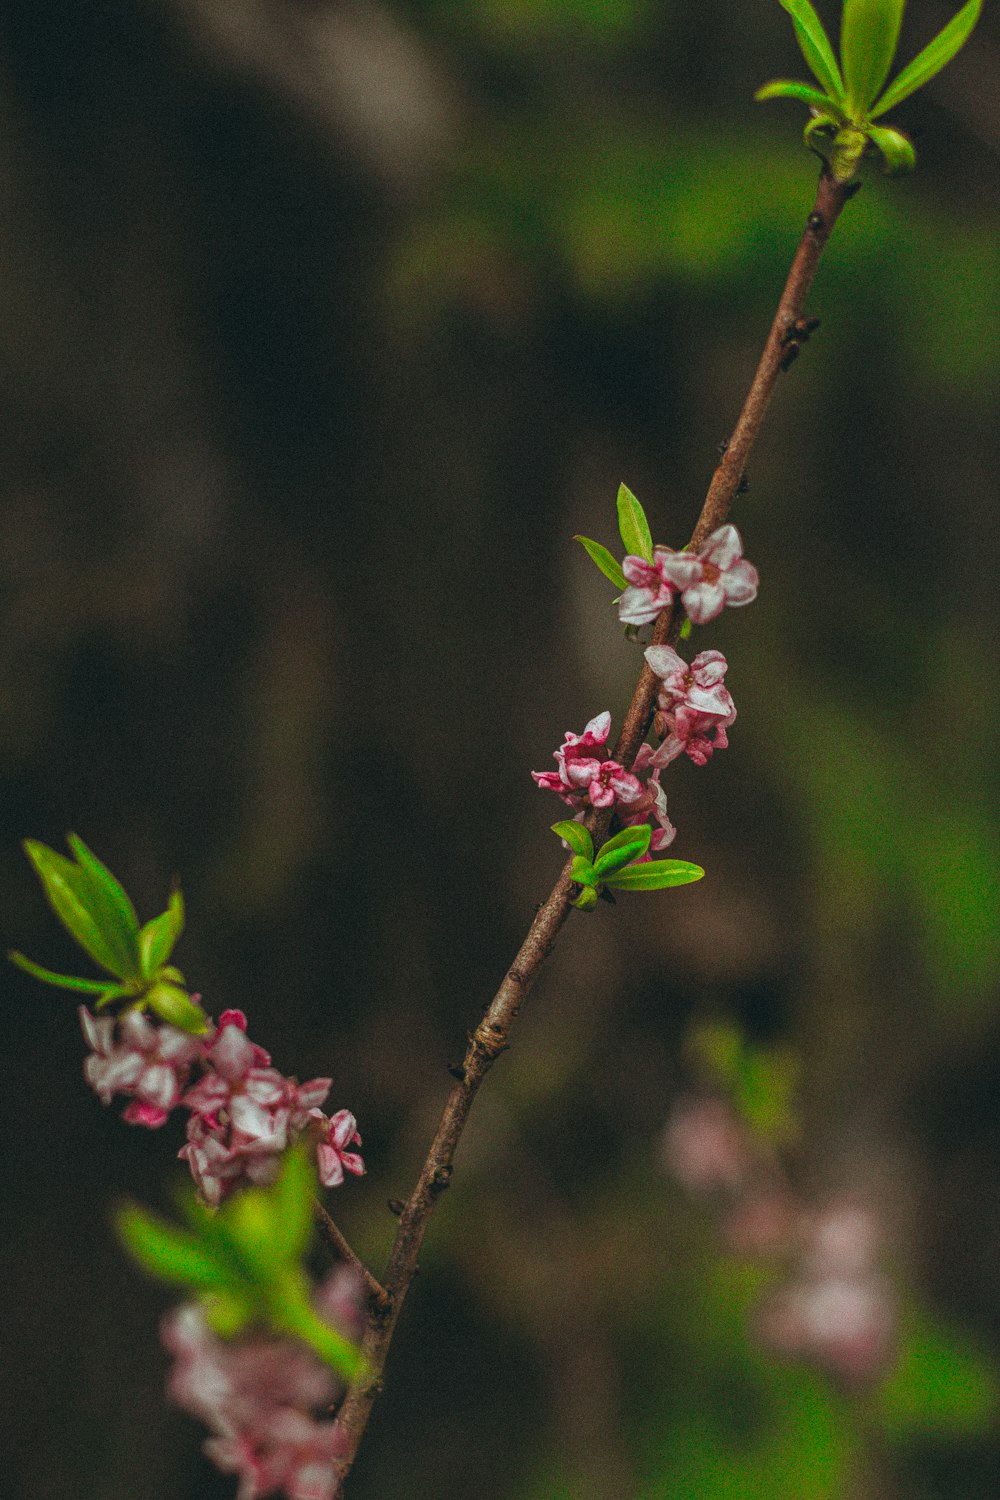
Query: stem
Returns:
{"type": "Point", "coordinates": [376, 1294]}
{"type": "Point", "coordinates": [490, 1036]}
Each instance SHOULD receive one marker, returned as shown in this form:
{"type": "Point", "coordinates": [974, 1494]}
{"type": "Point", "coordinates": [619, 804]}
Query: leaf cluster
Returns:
{"type": "Point", "coordinates": [613, 867]}
{"type": "Point", "coordinates": [850, 98]}
{"type": "Point", "coordinates": [243, 1261]}
{"type": "Point", "coordinates": [98, 914]}
{"type": "Point", "coordinates": [636, 537]}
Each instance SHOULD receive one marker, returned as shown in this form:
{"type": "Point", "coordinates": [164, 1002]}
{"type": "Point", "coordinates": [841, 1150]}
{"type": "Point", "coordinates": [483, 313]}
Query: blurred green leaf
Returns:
{"type": "Point", "coordinates": [577, 837]}
{"type": "Point", "coordinates": [111, 908]}
{"type": "Point", "coordinates": [63, 981]}
{"type": "Point", "coordinates": [70, 895]}
{"type": "Point", "coordinates": [940, 1385]}
{"type": "Point", "coordinates": [654, 876]}
{"type": "Point", "coordinates": [169, 1253]}
{"type": "Point", "coordinates": [158, 937]}
{"type": "Point", "coordinates": [896, 147]}
{"type": "Point", "coordinates": [604, 560]}
{"type": "Point", "coordinates": [788, 88]}
{"type": "Point", "coordinates": [587, 899]}
{"type": "Point", "coordinates": [932, 59]}
{"type": "Point", "coordinates": [175, 1006]}
{"type": "Point", "coordinates": [293, 1198]}
{"type": "Point", "coordinates": [816, 48]}
{"type": "Point", "coordinates": [869, 33]}
{"type": "Point", "coordinates": [633, 526]}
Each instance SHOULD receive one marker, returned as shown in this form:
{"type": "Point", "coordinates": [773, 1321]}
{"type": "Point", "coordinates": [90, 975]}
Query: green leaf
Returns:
{"type": "Point", "coordinates": [111, 908]}
{"type": "Point", "coordinates": [932, 59]}
{"type": "Point", "coordinates": [655, 875]}
{"type": "Point", "coordinates": [175, 1006]}
{"type": "Point", "coordinates": [816, 48]}
{"type": "Point", "coordinates": [68, 893]}
{"type": "Point", "coordinates": [869, 33]}
{"type": "Point", "coordinates": [294, 1193]}
{"type": "Point", "coordinates": [941, 1385]}
{"type": "Point", "coordinates": [113, 992]}
{"type": "Point", "coordinates": [169, 1253]}
{"type": "Point", "coordinates": [787, 88]}
{"type": "Point", "coordinates": [63, 981]}
{"type": "Point", "coordinates": [633, 526]}
{"type": "Point", "coordinates": [816, 126]}
{"type": "Point", "coordinates": [582, 871]}
{"type": "Point", "coordinates": [896, 147]}
{"type": "Point", "coordinates": [602, 557]}
{"type": "Point", "coordinates": [577, 837]}
{"type": "Point", "coordinates": [157, 938]}
{"type": "Point", "coordinates": [587, 899]}
{"type": "Point", "coordinates": [626, 846]}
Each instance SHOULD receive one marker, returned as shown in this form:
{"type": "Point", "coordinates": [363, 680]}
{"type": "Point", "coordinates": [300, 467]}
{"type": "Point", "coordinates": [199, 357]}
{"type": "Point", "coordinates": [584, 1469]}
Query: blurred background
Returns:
{"type": "Point", "coordinates": [325, 325]}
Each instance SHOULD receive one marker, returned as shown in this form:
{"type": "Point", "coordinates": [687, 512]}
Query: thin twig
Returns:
{"type": "Point", "coordinates": [376, 1294]}
{"type": "Point", "coordinates": [490, 1036]}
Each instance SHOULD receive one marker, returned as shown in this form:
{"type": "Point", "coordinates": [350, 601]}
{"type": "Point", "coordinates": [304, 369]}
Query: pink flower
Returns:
{"type": "Point", "coordinates": [333, 1136]}
{"type": "Point", "coordinates": [650, 588]}
{"type": "Point", "coordinates": [706, 1146]}
{"type": "Point", "coordinates": [571, 774]}
{"type": "Point", "coordinates": [698, 687]}
{"type": "Point", "coordinates": [239, 1088]}
{"type": "Point", "coordinates": [145, 1060]}
{"type": "Point", "coordinates": [650, 807]}
{"type": "Point", "coordinates": [259, 1396]}
{"type": "Point", "coordinates": [591, 778]}
{"type": "Point", "coordinates": [710, 579]}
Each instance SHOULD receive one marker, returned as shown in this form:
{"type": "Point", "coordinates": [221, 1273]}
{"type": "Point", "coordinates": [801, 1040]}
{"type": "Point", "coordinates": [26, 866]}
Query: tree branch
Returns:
{"type": "Point", "coordinates": [490, 1036]}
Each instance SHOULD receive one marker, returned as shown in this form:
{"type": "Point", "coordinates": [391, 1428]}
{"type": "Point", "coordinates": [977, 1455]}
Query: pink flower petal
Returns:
{"type": "Point", "coordinates": [723, 547]}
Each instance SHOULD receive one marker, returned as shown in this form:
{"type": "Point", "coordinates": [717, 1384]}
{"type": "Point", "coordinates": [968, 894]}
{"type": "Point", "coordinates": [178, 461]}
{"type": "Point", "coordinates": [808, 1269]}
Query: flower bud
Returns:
{"type": "Point", "coordinates": [175, 1006]}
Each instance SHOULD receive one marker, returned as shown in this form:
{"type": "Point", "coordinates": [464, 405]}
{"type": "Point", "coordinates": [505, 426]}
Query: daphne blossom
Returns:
{"type": "Point", "coordinates": [148, 1062]}
{"type": "Point", "coordinates": [694, 707]}
{"type": "Point", "coordinates": [710, 579]}
{"type": "Point", "coordinates": [588, 778]}
{"type": "Point", "coordinates": [650, 588]}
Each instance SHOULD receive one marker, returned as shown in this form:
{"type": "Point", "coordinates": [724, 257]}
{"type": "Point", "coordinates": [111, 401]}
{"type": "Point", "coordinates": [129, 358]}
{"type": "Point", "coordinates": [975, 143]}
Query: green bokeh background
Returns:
{"type": "Point", "coordinates": [325, 326]}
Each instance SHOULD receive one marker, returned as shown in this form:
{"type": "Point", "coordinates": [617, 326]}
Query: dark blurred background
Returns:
{"type": "Point", "coordinates": [324, 324]}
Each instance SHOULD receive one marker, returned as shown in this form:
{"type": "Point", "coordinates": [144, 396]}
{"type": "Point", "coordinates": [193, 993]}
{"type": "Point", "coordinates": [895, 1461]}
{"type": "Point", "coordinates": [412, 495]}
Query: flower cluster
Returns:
{"type": "Point", "coordinates": [243, 1112]}
{"type": "Point", "coordinates": [706, 581]}
{"type": "Point", "coordinates": [836, 1308]}
{"type": "Point", "coordinates": [260, 1396]}
{"type": "Point", "coordinates": [586, 777]}
{"type": "Point", "coordinates": [694, 708]}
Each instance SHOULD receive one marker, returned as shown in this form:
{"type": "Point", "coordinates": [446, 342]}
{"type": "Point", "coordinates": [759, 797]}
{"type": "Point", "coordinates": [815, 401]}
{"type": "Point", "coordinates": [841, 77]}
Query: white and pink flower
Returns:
{"type": "Point", "coordinates": [148, 1062]}
{"type": "Point", "coordinates": [710, 579]}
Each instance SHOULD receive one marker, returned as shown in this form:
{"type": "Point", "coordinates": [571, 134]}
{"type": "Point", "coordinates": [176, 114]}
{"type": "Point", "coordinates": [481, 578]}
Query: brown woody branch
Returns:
{"type": "Point", "coordinates": [490, 1036]}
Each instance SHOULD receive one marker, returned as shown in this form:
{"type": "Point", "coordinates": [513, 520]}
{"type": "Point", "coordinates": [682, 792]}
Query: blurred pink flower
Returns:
{"type": "Point", "coordinates": [705, 1145]}
{"type": "Point", "coordinates": [148, 1061]}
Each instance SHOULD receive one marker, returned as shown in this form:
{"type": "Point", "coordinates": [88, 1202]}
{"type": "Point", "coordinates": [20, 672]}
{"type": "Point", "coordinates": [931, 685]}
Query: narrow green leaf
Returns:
{"type": "Point", "coordinates": [68, 894]}
{"type": "Point", "coordinates": [582, 871]}
{"type": "Point", "coordinates": [633, 526]}
{"type": "Point", "coordinates": [294, 1193]}
{"type": "Point", "coordinates": [228, 1312]}
{"type": "Point", "coordinates": [169, 1253]}
{"type": "Point", "coordinates": [932, 59]}
{"type": "Point", "coordinates": [63, 981]}
{"type": "Point", "coordinates": [604, 560]}
{"type": "Point", "coordinates": [332, 1347]}
{"type": "Point", "coordinates": [896, 147]}
{"type": "Point", "coordinates": [577, 837]}
{"type": "Point", "coordinates": [114, 992]}
{"type": "Point", "coordinates": [869, 33]}
{"type": "Point", "coordinates": [157, 938]}
{"type": "Point", "coordinates": [655, 875]}
{"type": "Point", "coordinates": [626, 846]}
{"type": "Point", "coordinates": [787, 88]}
{"type": "Point", "coordinates": [816, 48]}
{"type": "Point", "coordinates": [110, 906]}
